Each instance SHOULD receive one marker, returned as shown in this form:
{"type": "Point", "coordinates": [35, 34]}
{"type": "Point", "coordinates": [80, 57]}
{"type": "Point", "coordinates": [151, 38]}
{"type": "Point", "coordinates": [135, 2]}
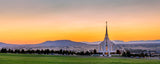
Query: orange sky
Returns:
{"type": "Point", "coordinates": [31, 22]}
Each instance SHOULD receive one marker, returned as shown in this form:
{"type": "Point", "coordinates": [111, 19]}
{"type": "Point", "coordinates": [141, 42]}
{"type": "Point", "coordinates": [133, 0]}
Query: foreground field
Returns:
{"type": "Point", "coordinates": [49, 59]}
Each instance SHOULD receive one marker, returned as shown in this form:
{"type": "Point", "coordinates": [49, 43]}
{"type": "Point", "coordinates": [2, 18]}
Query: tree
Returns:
{"type": "Point", "coordinates": [22, 51]}
{"type": "Point", "coordinates": [128, 54]}
{"type": "Point", "coordinates": [9, 51]}
{"type": "Point", "coordinates": [142, 54]}
{"type": "Point", "coordinates": [38, 51]}
{"type": "Point", "coordinates": [87, 53]}
{"type": "Point", "coordinates": [42, 51]}
{"type": "Point", "coordinates": [124, 54]}
{"type": "Point", "coordinates": [95, 51]}
{"type": "Point", "coordinates": [3, 50]}
{"type": "Point", "coordinates": [17, 51]}
{"type": "Point", "coordinates": [28, 51]}
{"type": "Point", "coordinates": [47, 51]}
{"type": "Point", "coordinates": [60, 51]}
{"type": "Point", "coordinates": [32, 51]}
{"type": "Point", "coordinates": [118, 52]}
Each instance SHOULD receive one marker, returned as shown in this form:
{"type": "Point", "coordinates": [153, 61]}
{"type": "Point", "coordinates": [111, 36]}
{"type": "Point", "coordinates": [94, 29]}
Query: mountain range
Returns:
{"type": "Point", "coordinates": [56, 45]}
{"type": "Point", "coordinates": [83, 46]}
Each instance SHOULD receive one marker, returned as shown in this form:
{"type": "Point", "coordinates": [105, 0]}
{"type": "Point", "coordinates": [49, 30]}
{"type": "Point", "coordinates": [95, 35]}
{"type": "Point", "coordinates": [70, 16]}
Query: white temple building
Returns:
{"type": "Point", "coordinates": [107, 46]}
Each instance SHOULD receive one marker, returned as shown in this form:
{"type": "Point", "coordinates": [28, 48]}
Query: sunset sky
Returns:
{"type": "Point", "coordinates": [36, 21]}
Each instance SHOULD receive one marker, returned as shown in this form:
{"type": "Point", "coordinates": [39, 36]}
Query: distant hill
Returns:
{"type": "Point", "coordinates": [4, 44]}
{"type": "Point", "coordinates": [56, 45]}
{"type": "Point", "coordinates": [62, 43]}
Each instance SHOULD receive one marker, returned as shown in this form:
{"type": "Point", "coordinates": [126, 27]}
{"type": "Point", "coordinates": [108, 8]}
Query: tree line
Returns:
{"type": "Point", "coordinates": [140, 54]}
{"type": "Point", "coordinates": [48, 51]}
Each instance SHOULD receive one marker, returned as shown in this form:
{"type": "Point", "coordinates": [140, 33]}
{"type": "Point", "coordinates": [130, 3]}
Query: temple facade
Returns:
{"type": "Point", "coordinates": [107, 46]}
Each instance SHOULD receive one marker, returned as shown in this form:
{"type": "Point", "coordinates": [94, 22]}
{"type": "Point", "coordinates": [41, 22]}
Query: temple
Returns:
{"type": "Point", "coordinates": [107, 47]}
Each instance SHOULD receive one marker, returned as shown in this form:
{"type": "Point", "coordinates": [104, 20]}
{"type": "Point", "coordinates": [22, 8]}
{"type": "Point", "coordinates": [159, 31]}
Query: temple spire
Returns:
{"type": "Point", "coordinates": [107, 42]}
{"type": "Point", "coordinates": [106, 31]}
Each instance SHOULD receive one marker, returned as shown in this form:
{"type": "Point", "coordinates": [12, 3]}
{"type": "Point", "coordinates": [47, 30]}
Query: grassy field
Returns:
{"type": "Point", "coordinates": [50, 59]}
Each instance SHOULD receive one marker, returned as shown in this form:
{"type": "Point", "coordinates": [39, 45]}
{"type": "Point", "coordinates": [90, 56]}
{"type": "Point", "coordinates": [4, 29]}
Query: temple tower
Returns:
{"type": "Point", "coordinates": [106, 44]}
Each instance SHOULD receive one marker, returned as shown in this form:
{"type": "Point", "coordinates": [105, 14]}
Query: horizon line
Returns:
{"type": "Point", "coordinates": [81, 41]}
